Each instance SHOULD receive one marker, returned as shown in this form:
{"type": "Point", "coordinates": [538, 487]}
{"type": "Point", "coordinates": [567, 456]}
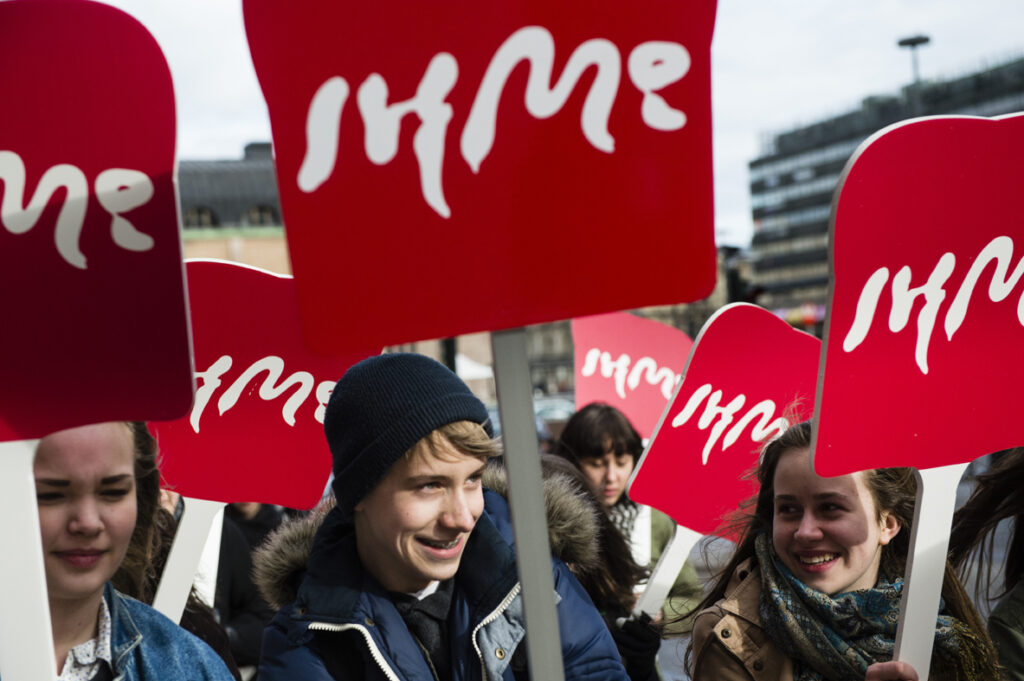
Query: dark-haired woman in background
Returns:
{"type": "Point", "coordinates": [601, 442]}
{"type": "Point", "coordinates": [609, 581]}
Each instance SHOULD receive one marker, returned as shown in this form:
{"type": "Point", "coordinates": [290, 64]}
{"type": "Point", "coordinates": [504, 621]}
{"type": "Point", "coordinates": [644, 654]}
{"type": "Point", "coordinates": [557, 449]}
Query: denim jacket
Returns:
{"type": "Point", "coordinates": [146, 646]}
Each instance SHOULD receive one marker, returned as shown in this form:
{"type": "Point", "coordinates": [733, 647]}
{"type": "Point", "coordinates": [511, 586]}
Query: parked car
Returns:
{"type": "Point", "coordinates": [550, 414]}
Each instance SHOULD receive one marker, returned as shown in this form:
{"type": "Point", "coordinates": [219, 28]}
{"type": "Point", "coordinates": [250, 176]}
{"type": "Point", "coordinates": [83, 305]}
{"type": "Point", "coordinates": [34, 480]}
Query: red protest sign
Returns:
{"type": "Point", "coordinates": [925, 332]}
{"type": "Point", "coordinates": [255, 431]}
{"type": "Point", "coordinates": [94, 310]}
{"type": "Point", "coordinates": [748, 377]}
{"type": "Point", "coordinates": [630, 363]}
{"type": "Point", "coordinates": [403, 141]}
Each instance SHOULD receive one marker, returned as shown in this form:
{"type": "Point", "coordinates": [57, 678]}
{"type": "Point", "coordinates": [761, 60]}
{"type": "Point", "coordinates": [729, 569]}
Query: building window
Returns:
{"type": "Point", "coordinates": [778, 197]}
{"type": "Point", "coordinates": [549, 342]}
{"type": "Point", "coordinates": [803, 174]}
{"type": "Point", "coordinates": [261, 215]}
{"type": "Point", "coordinates": [803, 243]}
{"type": "Point", "coordinates": [834, 152]}
{"type": "Point", "coordinates": [200, 216]}
{"type": "Point", "coordinates": [798, 217]}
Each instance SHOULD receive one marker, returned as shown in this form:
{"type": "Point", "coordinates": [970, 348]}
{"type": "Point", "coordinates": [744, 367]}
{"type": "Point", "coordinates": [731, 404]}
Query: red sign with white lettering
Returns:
{"type": "Point", "coordinates": [628, 362]}
{"type": "Point", "coordinates": [925, 313]}
{"type": "Point", "coordinates": [750, 375]}
{"type": "Point", "coordinates": [93, 305]}
{"type": "Point", "coordinates": [255, 431]}
{"type": "Point", "coordinates": [468, 159]}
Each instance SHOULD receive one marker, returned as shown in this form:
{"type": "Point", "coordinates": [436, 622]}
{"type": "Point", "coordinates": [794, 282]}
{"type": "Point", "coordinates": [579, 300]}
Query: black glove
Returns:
{"type": "Point", "coordinates": [638, 644]}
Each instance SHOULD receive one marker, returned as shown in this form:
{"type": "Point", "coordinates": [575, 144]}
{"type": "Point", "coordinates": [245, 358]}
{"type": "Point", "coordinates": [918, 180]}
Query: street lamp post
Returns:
{"type": "Point", "coordinates": [913, 42]}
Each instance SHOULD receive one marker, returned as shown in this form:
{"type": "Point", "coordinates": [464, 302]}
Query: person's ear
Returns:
{"type": "Point", "coordinates": [890, 527]}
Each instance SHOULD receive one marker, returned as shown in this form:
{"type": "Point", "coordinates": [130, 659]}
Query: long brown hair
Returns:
{"type": "Point", "coordinates": [143, 564]}
{"type": "Point", "coordinates": [136, 575]}
{"type": "Point", "coordinates": [610, 582]}
{"type": "Point", "coordinates": [998, 496]}
{"type": "Point", "coordinates": [894, 491]}
{"type": "Point", "coordinates": [592, 432]}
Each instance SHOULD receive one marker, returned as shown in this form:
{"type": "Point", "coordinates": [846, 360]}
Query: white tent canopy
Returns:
{"type": "Point", "coordinates": [468, 369]}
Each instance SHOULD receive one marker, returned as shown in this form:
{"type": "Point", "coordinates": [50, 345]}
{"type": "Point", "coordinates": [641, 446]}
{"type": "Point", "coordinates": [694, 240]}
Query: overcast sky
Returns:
{"type": "Point", "coordinates": [775, 64]}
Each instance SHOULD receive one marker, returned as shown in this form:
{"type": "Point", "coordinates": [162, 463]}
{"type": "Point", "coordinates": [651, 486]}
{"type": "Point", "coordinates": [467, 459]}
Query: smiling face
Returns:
{"type": "Point", "coordinates": [413, 527]}
{"type": "Point", "coordinates": [608, 475]}
{"type": "Point", "coordinates": [85, 488]}
{"type": "Point", "coordinates": [827, 531]}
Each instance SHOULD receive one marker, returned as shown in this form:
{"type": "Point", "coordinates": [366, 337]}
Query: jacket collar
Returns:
{"type": "Point", "coordinates": [488, 569]}
{"type": "Point", "coordinates": [743, 593]}
{"type": "Point", "coordinates": [124, 634]}
{"type": "Point", "coordinates": [747, 640]}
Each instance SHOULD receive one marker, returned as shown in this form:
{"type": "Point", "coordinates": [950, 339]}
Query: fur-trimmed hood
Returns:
{"type": "Point", "coordinates": [278, 565]}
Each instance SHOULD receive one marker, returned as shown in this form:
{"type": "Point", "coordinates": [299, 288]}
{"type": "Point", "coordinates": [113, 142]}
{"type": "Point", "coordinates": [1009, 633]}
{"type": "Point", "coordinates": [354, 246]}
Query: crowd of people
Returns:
{"type": "Point", "coordinates": [408, 571]}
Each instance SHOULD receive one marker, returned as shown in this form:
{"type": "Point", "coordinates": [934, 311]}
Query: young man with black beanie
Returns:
{"type": "Point", "coordinates": [412, 574]}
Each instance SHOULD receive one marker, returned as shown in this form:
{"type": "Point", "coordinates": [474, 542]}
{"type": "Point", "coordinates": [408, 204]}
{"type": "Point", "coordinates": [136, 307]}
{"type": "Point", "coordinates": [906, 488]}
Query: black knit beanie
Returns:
{"type": "Point", "coordinates": [380, 408]}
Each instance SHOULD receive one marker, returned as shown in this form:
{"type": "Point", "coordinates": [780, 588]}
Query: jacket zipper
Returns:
{"type": "Point", "coordinates": [377, 657]}
{"type": "Point", "coordinates": [487, 620]}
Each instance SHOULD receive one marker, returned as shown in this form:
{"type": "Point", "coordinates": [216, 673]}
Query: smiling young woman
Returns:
{"type": "Point", "coordinates": [89, 487]}
{"type": "Point", "coordinates": [828, 531]}
{"type": "Point", "coordinates": [85, 489]}
{"type": "Point", "coordinates": [813, 590]}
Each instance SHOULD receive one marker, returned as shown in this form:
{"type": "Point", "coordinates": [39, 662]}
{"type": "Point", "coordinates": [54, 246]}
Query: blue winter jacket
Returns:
{"type": "Point", "coordinates": [337, 598]}
{"type": "Point", "coordinates": [146, 646]}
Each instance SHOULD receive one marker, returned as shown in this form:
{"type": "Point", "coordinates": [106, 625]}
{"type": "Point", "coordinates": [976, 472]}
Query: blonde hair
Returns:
{"type": "Point", "coordinates": [466, 437]}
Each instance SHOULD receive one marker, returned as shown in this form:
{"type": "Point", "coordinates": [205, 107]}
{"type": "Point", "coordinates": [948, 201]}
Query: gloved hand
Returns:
{"type": "Point", "coordinates": [638, 644]}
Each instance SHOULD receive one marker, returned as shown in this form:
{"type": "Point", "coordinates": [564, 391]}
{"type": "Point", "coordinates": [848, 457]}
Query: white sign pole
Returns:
{"type": "Point", "coordinates": [26, 638]}
{"type": "Point", "coordinates": [926, 562]}
{"type": "Point", "coordinates": [526, 498]}
{"type": "Point", "coordinates": [209, 560]}
{"type": "Point", "coordinates": [659, 584]}
{"type": "Point", "coordinates": [180, 571]}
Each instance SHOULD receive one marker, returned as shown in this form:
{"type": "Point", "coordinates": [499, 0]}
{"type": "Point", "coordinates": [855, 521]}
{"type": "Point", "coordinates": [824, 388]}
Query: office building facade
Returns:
{"type": "Point", "coordinates": [793, 181]}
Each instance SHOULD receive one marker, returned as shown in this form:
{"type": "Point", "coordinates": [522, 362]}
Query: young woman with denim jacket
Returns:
{"type": "Point", "coordinates": [88, 486]}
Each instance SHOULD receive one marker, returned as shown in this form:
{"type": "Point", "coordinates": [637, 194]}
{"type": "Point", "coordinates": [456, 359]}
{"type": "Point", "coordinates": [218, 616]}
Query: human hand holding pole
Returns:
{"type": "Point", "coordinates": [891, 671]}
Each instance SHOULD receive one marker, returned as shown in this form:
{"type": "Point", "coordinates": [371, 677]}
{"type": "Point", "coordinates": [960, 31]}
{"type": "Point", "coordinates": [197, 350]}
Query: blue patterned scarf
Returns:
{"type": "Point", "coordinates": [836, 638]}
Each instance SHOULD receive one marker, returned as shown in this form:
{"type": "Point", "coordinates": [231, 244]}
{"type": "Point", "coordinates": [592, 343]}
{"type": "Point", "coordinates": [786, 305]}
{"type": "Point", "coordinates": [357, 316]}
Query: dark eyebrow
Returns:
{"type": "Point", "coordinates": [824, 496]}
{"type": "Point", "coordinates": [53, 482]}
{"type": "Point", "coordinates": [58, 482]}
{"type": "Point", "coordinates": [423, 479]}
{"type": "Point", "coordinates": [827, 496]}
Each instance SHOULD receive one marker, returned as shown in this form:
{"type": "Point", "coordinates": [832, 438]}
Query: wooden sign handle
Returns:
{"type": "Point", "coordinates": [526, 501]}
{"type": "Point", "coordinates": [197, 520]}
{"type": "Point", "coordinates": [926, 562]}
{"type": "Point", "coordinates": [659, 584]}
{"type": "Point", "coordinates": [26, 639]}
